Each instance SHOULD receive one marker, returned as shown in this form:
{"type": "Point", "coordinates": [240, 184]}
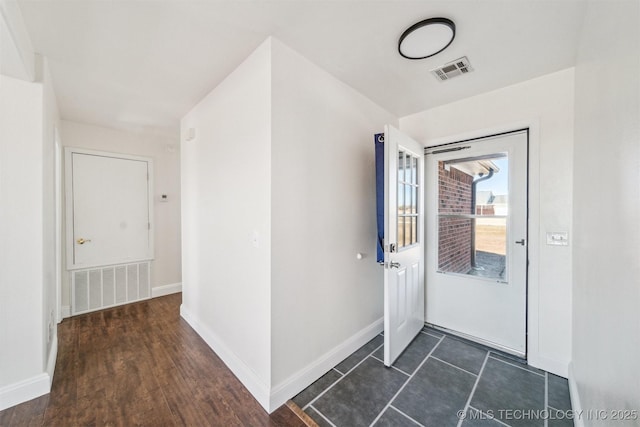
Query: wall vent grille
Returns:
{"type": "Point", "coordinates": [452, 69]}
{"type": "Point", "coordinates": [102, 287]}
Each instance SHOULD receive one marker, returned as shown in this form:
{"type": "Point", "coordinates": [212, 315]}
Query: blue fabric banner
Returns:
{"type": "Point", "coordinates": [379, 144]}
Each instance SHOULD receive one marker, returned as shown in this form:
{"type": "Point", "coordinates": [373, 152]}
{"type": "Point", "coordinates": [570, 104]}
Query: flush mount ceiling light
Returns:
{"type": "Point", "coordinates": [426, 38]}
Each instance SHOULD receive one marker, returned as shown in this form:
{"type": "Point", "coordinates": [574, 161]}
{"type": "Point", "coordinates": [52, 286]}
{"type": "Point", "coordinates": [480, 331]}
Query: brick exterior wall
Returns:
{"type": "Point", "coordinates": [454, 247]}
{"type": "Point", "coordinates": [485, 210]}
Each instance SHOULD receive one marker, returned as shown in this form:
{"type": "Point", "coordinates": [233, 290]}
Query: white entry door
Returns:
{"type": "Point", "coordinates": [476, 219]}
{"type": "Point", "coordinates": [403, 246]}
{"type": "Point", "coordinates": [108, 209]}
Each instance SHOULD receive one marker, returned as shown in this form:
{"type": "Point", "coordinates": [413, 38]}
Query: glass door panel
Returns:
{"type": "Point", "coordinates": [473, 198]}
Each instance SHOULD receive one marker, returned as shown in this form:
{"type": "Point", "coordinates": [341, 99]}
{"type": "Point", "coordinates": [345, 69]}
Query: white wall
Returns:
{"type": "Point", "coordinates": [165, 151]}
{"type": "Point", "coordinates": [323, 214]}
{"type": "Point", "coordinates": [606, 269]}
{"type": "Point", "coordinates": [226, 191]}
{"type": "Point", "coordinates": [28, 117]}
{"type": "Point", "coordinates": [21, 226]}
{"type": "Point", "coordinates": [283, 151]}
{"type": "Point", "coordinates": [28, 299]}
{"type": "Point", "coordinates": [545, 103]}
{"type": "Point", "coordinates": [50, 122]}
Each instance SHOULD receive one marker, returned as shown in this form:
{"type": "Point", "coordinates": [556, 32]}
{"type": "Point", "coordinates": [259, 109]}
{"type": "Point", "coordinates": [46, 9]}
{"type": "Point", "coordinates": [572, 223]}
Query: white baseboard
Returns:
{"type": "Point", "coordinates": [245, 374]}
{"type": "Point", "coordinates": [272, 398]}
{"type": "Point", "coordinates": [306, 376]}
{"type": "Point", "coordinates": [23, 391]}
{"type": "Point", "coordinates": [576, 405]}
{"type": "Point", "coordinates": [53, 356]}
{"type": "Point", "coordinates": [160, 291]}
{"type": "Point", "coordinates": [65, 311]}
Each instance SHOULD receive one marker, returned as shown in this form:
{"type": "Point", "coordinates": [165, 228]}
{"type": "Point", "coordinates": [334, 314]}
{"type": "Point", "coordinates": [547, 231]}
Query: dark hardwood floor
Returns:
{"type": "Point", "coordinates": [141, 364]}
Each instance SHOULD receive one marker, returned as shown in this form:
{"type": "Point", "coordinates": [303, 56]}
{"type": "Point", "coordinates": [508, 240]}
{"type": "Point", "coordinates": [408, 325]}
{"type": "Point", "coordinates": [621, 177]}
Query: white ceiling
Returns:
{"type": "Point", "coordinates": [144, 64]}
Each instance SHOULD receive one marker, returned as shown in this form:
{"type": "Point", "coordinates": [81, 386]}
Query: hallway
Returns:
{"type": "Point", "coordinates": [141, 364]}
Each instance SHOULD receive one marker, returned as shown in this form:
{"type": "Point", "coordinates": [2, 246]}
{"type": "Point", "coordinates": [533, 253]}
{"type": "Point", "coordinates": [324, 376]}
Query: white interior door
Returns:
{"type": "Point", "coordinates": [476, 218]}
{"type": "Point", "coordinates": [109, 211]}
{"type": "Point", "coordinates": [403, 248]}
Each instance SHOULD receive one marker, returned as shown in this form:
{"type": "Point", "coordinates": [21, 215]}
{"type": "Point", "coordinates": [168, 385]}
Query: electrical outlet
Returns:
{"type": "Point", "coordinates": [557, 238]}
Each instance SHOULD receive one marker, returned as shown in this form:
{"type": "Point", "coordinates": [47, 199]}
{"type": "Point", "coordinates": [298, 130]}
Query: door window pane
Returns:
{"type": "Point", "coordinates": [473, 212]}
{"type": "Point", "coordinates": [414, 229]}
{"type": "Point", "coordinates": [414, 170]}
{"type": "Point", "coordinates": [414, 200]}
{"type": "Point", "coordinates": [454, 244]}
{"type": "Point", "coordinates": [454, 188]}
{"type": "Point", "coordinates": [407, 166]}
{"type": "Point", "coordinates": [407, 199]}
{"type": "Point", "coordinates": [491, 248]}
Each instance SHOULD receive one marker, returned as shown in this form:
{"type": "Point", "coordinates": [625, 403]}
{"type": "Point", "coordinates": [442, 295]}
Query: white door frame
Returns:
{"type": "Point", "coordinates": [511, 339]}
{"type": "Point", "coordinates": [534, 358]}
{"type": "Point", "coordinates": [69, 243]}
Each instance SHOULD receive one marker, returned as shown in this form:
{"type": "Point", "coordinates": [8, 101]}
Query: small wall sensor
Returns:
{"type": "Point", "coordinates": [558, 238]}
{"type": "Point", "coordinates": [164, 198]}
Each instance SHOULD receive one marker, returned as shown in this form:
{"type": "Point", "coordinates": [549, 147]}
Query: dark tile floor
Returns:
{"type": "Point", "coordinates": [437, 378]}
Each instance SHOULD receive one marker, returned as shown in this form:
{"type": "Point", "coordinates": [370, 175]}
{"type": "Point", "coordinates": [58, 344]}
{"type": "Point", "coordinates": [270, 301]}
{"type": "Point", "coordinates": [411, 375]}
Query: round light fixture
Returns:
{"type": "Point", "coordinates": [426, 38]}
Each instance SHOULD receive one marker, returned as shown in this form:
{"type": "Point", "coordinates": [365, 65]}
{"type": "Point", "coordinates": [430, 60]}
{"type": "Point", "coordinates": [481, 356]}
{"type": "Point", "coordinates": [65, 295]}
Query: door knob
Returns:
{"type": "Point", "coordinates": [82, 241]}
{"type": "Point", "coordinates": [394, 264]}
{"type": "Point", "coordinates": [521, 242]}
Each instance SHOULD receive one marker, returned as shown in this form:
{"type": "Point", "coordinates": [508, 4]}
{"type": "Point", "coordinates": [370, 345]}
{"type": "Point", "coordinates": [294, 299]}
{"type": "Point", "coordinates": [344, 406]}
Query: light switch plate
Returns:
{"type": "Point", "coordinates": [558, 238]}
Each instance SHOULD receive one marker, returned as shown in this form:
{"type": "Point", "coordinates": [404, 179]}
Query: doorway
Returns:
{"type": "Point", "coordinates": [109, 234]}
{"type": "Point", "coordinates": [404, 243]}
{"type": "Point", "coordinates": [476, 247]}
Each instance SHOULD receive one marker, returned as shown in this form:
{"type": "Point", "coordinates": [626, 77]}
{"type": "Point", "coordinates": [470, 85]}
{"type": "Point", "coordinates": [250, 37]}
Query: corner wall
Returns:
{"type": "Point", "coordinates": [166, 275]}
{"type": "Point", "coordinates": [606, 270]}
{"type": "Point", "coordinates": [21, 234]}
{"type": "Point", "coordinates": [545, 104]}
{"type": "Point", "coordinates": [278, 198]}
{"type": "Point", "coordinates": [50, 122]}
{"type": "Point", "coordinates": [28, 119]}
{"type": "Point", "coordinates": [323, 213]}
{"type": "Point", "coordinates": [226, 221]}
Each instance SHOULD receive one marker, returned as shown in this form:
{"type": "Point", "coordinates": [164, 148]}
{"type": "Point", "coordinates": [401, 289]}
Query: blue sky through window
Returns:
{"type": "Point", "coordinates": [499, 182]}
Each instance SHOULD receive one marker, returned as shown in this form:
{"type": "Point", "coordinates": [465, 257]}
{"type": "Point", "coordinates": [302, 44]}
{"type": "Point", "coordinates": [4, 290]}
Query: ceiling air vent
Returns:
{"type": "Point", "coordinates": [452, 69]}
